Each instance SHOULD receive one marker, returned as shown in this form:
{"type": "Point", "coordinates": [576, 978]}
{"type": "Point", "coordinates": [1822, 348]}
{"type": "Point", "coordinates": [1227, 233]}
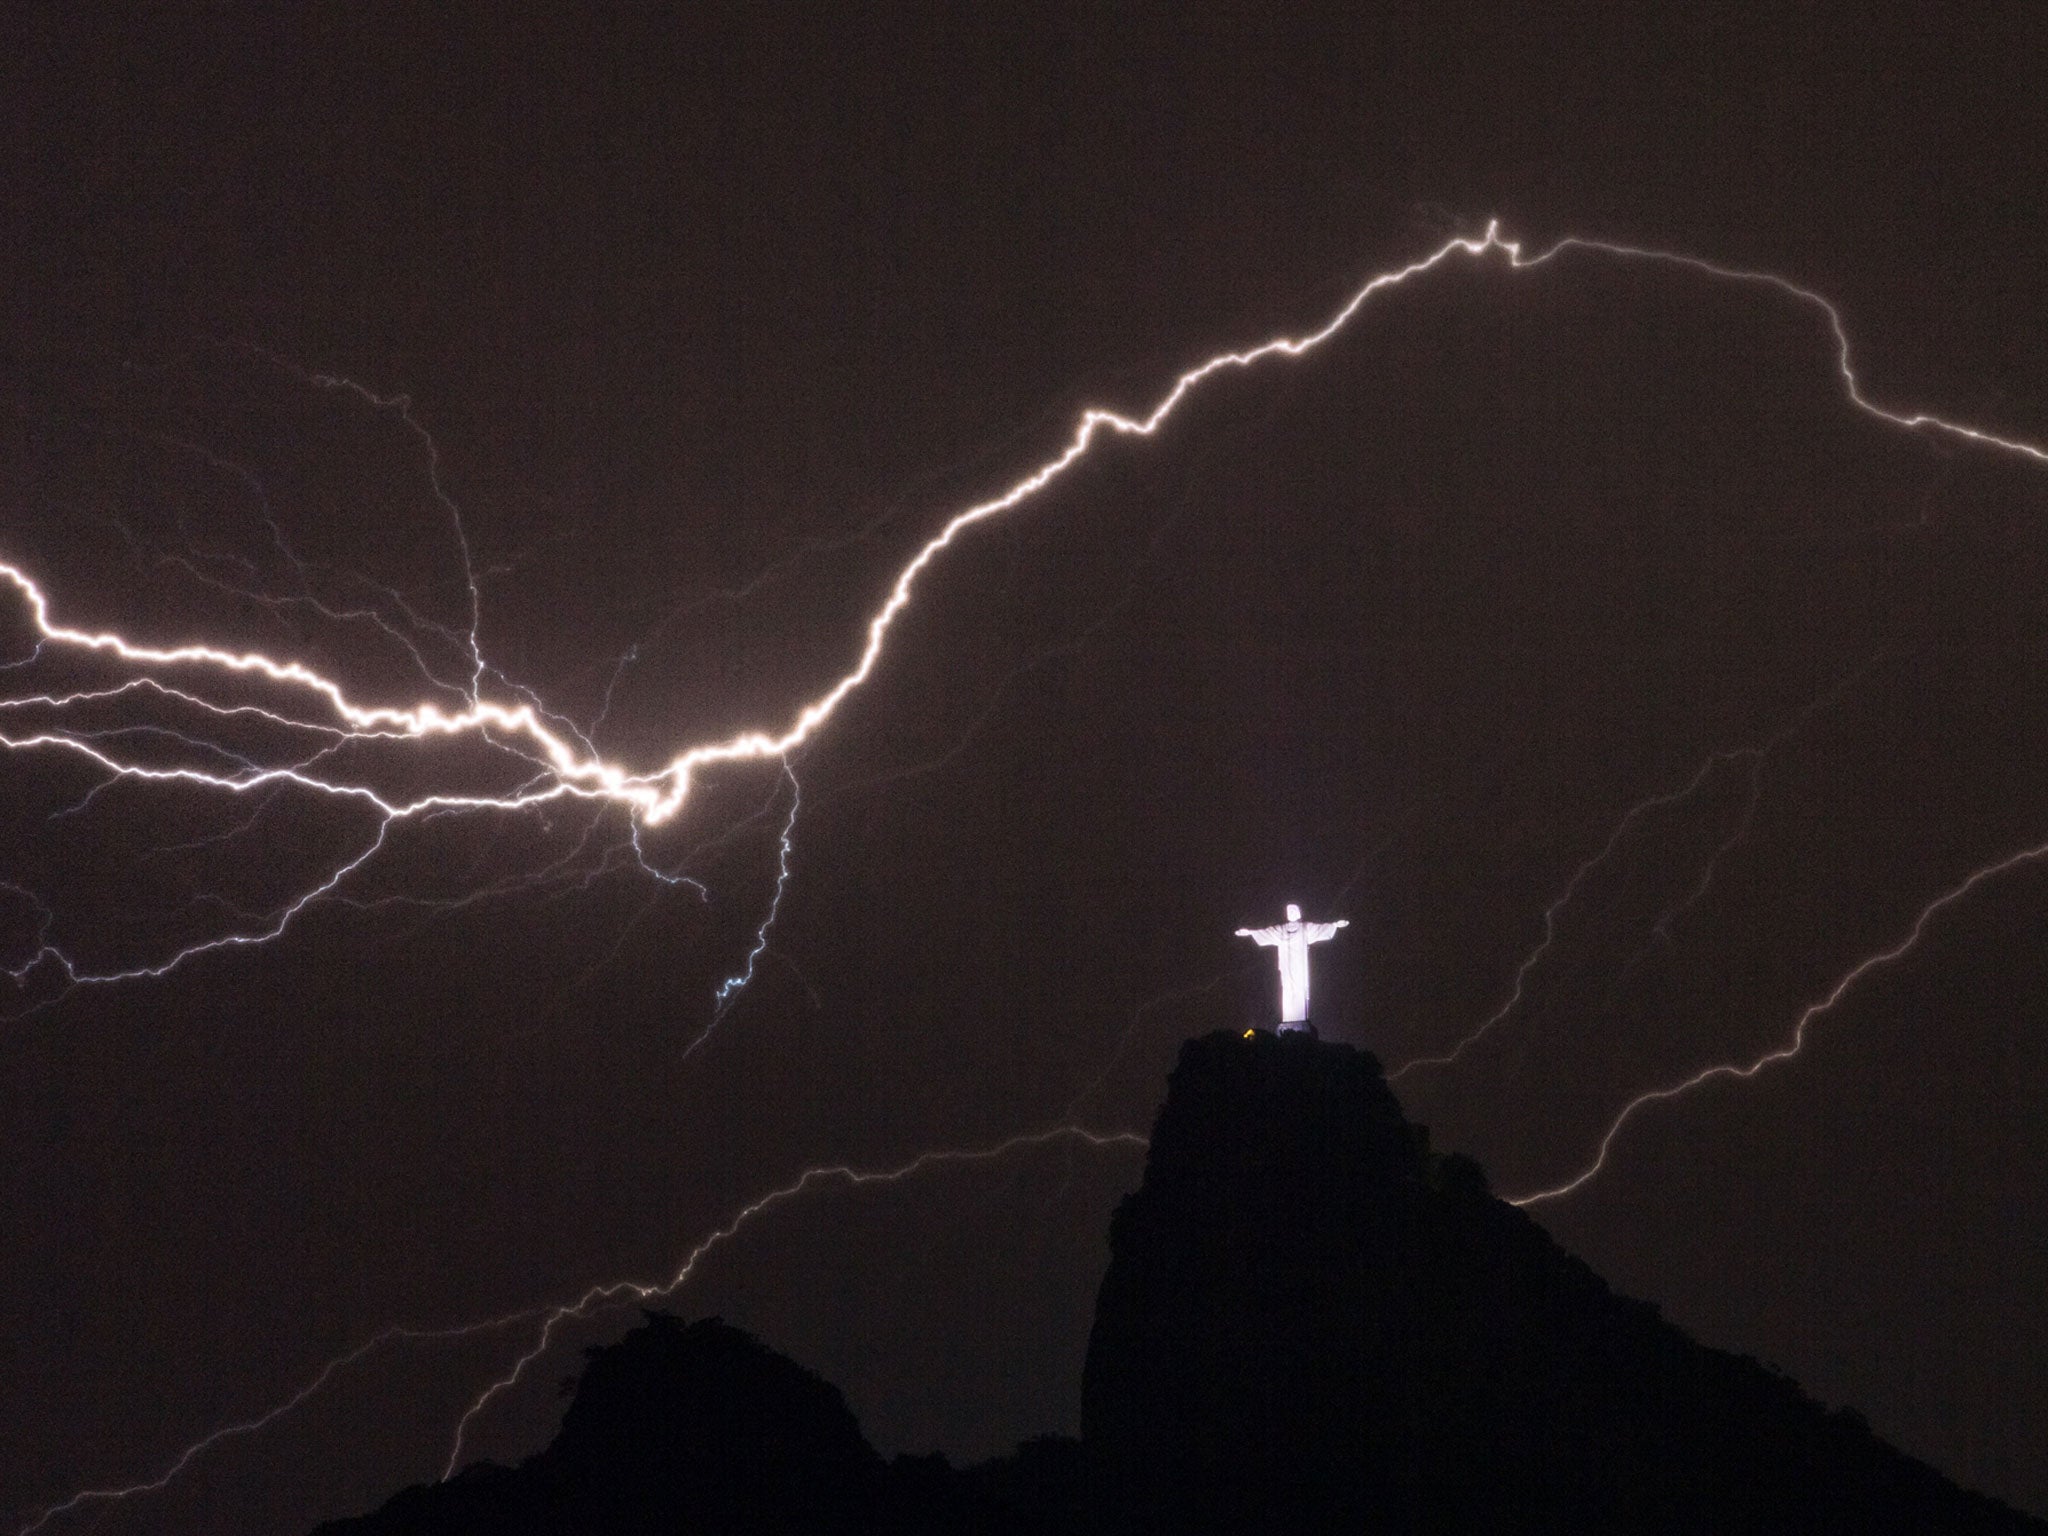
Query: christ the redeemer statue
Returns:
{"type": "Point", "coordinates": [1292, 938]}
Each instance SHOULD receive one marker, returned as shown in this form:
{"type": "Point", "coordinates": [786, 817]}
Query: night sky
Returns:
{"type": "Point", "coordinates": [704, 320]}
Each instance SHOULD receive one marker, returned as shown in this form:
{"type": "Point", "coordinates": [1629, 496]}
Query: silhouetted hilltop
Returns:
{"type": "Point", "coordinates": [698, 1427]}
{"type": "Point", "coordinates": [1309, 1323]}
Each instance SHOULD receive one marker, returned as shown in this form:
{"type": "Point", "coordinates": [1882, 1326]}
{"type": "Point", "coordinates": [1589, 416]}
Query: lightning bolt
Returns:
{"type": "Point", "coordinates": [245, 1427]}
{"type": "Point", "coordinates": [1558, 903]}
{"type": "Point", "coordinates": [730, 990]}
{"type": "Point", "coordinates": [1755, 756]}
{"type": "Point", "coordinates": [633, 1292]}
{"type": "Point", "coordinates": [559, 763]}
{"type": "Point", "coordinates": [313, 731]}
{"type": "Point", "coordinates": [595, 1300]}
{"type": "Point", "coordinates": [1846, 983]}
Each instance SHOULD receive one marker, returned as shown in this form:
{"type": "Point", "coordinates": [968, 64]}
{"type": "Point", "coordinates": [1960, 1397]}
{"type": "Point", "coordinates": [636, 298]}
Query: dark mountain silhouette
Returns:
{"type": "Point", "coordinates": [699, 1427]}
{"type": "Point", "coordinates": [1309, 1323]}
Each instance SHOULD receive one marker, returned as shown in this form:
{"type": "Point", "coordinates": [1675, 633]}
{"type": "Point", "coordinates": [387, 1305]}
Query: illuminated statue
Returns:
{"type": "Point", "coordinates": [1292, 938]}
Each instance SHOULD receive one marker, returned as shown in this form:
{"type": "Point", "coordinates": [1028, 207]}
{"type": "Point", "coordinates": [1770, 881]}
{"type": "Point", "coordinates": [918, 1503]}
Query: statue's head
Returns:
{"type": "Point", "coordinates": [1293, 913]}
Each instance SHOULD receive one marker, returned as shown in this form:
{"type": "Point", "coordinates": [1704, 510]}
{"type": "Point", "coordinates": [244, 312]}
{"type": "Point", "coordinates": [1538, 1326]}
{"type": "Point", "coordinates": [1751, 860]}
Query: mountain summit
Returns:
{"type": "Point", "coordinates": [1310, 1322]}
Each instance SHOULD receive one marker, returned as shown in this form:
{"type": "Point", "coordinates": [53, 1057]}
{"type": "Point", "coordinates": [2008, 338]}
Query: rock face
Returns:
{"type": "Point", "coordinates": [1311, 1323]}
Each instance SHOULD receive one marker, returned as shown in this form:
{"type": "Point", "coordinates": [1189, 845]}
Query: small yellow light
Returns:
{"type": "Point", "coordinates": [1249, 1033]}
